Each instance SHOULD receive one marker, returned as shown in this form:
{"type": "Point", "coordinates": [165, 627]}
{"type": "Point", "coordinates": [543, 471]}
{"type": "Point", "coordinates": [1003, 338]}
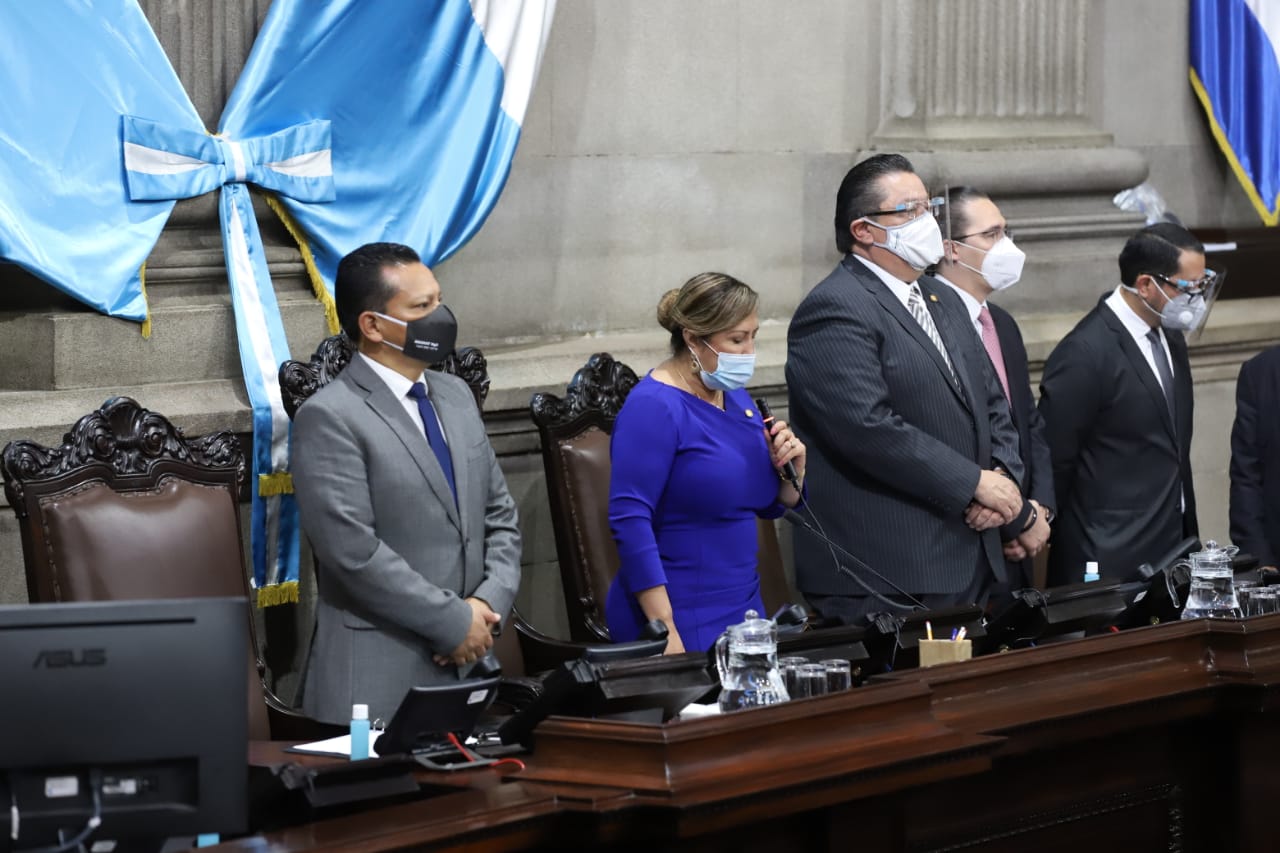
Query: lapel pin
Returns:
{"type": "Point", "coordinates": [933, 297]}
{"type": "Point", "coordinates": [750, 413]}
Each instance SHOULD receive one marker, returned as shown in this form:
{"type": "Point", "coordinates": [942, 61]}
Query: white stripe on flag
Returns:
{"type": "Point", "coordinates": [317, 164]}
{"type": "Point", "coordinates": [1268, 14]}
{"type": "Point", "coordinates": [237, 160]}
{"type": "Point", "coordinates": [153, 161]}
{"type": "Point", "coordinates": [515, 32]}
{"type": "Point", "coordinates": [261, 339]}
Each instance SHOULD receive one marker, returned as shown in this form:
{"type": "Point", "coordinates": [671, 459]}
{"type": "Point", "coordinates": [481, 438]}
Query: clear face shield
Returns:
{"type": "Point", "coordinates": [1197, 298]}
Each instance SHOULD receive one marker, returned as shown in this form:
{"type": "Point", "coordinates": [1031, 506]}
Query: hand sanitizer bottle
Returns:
{"type": "Point", "coordinates": [1090, 571]}
{"type": "Point", "coordinates": [359, 732]}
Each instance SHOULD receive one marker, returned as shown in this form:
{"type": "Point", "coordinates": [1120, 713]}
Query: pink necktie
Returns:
{"type": "Point", "coordinates": [991, 341]}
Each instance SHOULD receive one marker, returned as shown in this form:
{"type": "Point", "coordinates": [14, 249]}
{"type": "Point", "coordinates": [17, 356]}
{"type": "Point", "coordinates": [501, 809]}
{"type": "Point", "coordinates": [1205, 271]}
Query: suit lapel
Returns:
{"type": "Point", "coordinates": [386, 406]}
{"type": "Point", "coordinates": [1141, 368]}
{"type": "Point", "coordinates": [899, 312]}
{"type": "Point", "coordinates": [952, 336]}
{"type": "Point", "coordinates": [449, 408]}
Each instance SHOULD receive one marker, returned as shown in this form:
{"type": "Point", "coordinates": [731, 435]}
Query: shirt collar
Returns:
{"type": "Point", "coordinates": [394, 380]}
{"type": "Point", "coordinates": [1130, 319]}
{"type": "Point", "coordinates": [900, 288]}
{"type": "Point", "coordinates": [971, 304]}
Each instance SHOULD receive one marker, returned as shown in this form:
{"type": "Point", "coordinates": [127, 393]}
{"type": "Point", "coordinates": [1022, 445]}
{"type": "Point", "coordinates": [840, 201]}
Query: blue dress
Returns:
{"type": "Point", "coordinates": [688, 481]}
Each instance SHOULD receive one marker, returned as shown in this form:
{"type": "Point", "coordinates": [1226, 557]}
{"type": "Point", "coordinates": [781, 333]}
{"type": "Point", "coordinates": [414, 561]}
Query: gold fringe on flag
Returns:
{"type": "Point", "coordinates": [279, 593]}
{"type": "Point", "coordinates": [142, 278]}
{"type": "Point", "coordinates": [1263, 206]}
{"type": "Point", "coordinates": [279, 483]}
{"type": "Point", "coordinates": [317, 283]}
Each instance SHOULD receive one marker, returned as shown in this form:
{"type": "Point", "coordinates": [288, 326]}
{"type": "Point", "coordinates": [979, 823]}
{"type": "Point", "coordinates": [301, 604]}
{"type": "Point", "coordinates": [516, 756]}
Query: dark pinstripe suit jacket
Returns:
{"type": "Point", "coordinates": [895, 447]}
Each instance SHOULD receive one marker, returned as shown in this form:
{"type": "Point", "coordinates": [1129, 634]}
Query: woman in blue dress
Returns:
{"type": "Point", "coordinates": [692, 468]}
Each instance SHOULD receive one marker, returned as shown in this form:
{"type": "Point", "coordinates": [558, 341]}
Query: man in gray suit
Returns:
{"type": "Point", "coordinates": [913, 459]}
{"type": "Point", "coordinates": [402, 500]}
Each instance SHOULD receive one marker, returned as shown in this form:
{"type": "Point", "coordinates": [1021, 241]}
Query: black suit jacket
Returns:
{"type": "Point", "coordinates": [1255, 459]}
{"type": "Point", "coordinates": [1120, 464]}
{"type": "Point", "coordinates": [1037, 481]}
{"type": "Point", "coordinates": [895, 446]}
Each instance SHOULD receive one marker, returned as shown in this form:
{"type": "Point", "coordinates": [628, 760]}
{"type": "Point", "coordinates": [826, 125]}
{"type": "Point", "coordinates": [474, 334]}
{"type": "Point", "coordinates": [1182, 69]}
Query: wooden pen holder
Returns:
{"type": "Point", "coordinates": [944, 651]}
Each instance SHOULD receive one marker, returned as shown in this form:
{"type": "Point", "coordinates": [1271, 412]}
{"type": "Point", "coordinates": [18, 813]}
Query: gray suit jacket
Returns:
{"type": "Point", "coordinates": [396, 557]}
{"type": "Point", "coordinates": [895, 446]}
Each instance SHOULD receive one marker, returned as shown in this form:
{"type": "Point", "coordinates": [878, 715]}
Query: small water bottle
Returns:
{"type": "Point", "coordinates": [1091, 572]}
{"type": "Point", "coordinates": [359, 732]}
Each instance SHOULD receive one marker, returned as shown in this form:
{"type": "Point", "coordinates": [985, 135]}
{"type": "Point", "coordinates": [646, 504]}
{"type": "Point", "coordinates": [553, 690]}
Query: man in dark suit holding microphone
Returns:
{"type": "Point", "coordinates": [913, 460]}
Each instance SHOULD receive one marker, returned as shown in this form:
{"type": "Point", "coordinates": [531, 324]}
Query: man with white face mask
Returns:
{"type": "Point", "coordinates": [981, 259]}
{"type": "Point", "coordinates": [912, 459]}
{"type": "Point", "coordinates": [1116, 401]}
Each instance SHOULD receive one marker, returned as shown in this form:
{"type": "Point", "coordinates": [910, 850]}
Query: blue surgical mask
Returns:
{"type": "Point", "coordinates": [733, 370]}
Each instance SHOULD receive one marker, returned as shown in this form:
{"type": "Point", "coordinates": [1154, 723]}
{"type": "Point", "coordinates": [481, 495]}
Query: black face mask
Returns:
{"type": "Point", "coordinates": [429, 339]}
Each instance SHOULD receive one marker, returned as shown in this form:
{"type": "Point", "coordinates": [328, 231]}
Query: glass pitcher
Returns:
{"type": "Point", "coordinates": [747, 660]}
{"type": "Point", "coordinates": [1212, 593]}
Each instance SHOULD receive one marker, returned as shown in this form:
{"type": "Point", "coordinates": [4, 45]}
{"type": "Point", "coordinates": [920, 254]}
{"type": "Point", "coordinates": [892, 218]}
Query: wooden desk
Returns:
{"type": "Point", "coordinates": [1163, 738]}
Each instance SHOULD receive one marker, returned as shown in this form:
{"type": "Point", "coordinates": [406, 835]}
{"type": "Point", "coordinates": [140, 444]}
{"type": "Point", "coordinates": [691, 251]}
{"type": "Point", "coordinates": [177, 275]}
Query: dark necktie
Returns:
{"type": "Point", "coordinates": [435, 437]}
{"type": "Point", "coordinates": [1162, 369]}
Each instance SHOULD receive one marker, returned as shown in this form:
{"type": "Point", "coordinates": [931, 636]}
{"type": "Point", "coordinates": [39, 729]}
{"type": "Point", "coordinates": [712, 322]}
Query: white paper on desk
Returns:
{"type": "Point", "coordinates": [694, 711]}
{"type": "Point", "coordinates": [339, 746]}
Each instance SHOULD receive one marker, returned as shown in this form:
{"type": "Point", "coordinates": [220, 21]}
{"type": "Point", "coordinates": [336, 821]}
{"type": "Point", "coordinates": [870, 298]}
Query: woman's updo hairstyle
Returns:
{"type": "Point", "coordinates": [709, 302]}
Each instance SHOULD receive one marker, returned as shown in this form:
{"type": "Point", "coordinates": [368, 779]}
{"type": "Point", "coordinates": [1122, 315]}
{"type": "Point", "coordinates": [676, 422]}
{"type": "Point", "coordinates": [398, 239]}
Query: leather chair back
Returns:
{"type": "Point", "coordinates": [129, 508]}
{"type": "Point", "coordinates": [574, 432]}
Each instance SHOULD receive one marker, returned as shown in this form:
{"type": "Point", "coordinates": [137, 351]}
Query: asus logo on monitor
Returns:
{"type": "Point", "coordinates": [60, 658]}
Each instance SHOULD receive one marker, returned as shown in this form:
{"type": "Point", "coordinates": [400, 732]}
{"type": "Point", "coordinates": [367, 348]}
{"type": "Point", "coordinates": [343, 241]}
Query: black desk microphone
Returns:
{"type": "Point", "coordinates": [766, 415]}
{"type": "Point", "coordinates": [798, 519]}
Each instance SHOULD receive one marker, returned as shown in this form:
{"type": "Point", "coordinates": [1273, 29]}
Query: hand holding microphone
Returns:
{"type": "Point", "coordinates": [788, 452]}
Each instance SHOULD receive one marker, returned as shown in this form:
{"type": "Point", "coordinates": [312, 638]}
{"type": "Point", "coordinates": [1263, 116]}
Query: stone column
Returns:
{"type": "Point", "coordinates": [1000, 94]}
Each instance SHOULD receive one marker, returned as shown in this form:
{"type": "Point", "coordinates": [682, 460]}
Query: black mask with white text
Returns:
{"type": "Point", "coordinates": [429, 339]}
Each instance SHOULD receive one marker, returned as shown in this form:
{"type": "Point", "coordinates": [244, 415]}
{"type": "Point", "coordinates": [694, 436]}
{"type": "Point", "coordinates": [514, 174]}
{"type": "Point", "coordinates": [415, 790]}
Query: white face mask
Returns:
{"type": "Point", "coordinates": [918, 242]}
{"type": "Point", "coordinates": [1182, 313]}
{"type": "Point", "coordinates": [1002, 264]}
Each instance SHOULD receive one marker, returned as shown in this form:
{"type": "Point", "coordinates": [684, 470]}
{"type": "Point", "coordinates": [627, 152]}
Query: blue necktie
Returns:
{"type": "Point", "coordinates": [434, 436]}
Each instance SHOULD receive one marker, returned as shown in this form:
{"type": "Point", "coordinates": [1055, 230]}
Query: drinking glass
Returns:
{"type": "Point", "coordinates": [839, 675]}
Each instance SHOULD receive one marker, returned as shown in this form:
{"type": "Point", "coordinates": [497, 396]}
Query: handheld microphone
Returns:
{"type": "Point", "coordinates": [766, 415]}
{"type": "Point", "coordinates": [798, 519]}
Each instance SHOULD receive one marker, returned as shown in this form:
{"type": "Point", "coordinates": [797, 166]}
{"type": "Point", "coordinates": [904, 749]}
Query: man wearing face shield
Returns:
{"type": "Point", "coordinates": [912, 460]}
{"type": "Point", "coordinates": [402, 500]}
{"type": "Point", "coordinates": [1117, 404]}
{"type": "Point", "coordinates": [980, 260]}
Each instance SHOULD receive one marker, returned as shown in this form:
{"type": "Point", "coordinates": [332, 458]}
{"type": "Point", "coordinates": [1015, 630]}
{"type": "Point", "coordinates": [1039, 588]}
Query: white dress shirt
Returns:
{"type": "Point", "coordinates": [400, 386]}
{"type": "Point", "coordinates": [1139, 329]}
{"type": "Point", "coordinates": [899, 288]}
{"type": "Point", "coordinates": [972, 305]}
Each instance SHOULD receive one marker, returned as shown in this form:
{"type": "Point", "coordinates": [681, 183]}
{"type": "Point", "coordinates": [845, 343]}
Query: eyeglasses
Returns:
{"type": "Point", "coordinates": [992, 234]}
{"type": "Point", "coordinates": [1198, 286]}
{"type": "Point", "coordinates": [916, 208]}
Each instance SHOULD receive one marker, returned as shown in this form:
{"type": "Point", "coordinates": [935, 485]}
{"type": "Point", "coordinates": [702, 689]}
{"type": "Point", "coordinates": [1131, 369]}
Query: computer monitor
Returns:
{"type": "Point", "coordinates": [133, 710]}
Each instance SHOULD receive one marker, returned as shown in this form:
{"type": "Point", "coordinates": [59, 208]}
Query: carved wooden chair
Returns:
{"type": "Point", "coordinates": [127, 507]}
{"type": "Point", "coordinates": [524, 649]}
{"type": "Point", "coordinates": [300, 379]}
{"type": "Point", "coordinates": [574, 432]}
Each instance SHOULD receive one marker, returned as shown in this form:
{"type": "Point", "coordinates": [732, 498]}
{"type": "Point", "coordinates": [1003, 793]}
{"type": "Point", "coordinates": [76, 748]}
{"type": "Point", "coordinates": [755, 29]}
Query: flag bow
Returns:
{"type": "Point", "coordinates": [163, 162]}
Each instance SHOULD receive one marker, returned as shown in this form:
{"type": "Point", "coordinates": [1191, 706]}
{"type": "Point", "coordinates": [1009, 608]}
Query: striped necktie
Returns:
{"type": "Point", "coordinates": [915, 304]}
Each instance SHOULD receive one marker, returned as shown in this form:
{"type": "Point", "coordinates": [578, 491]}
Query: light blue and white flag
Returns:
{"type": "Point", "coordinates": [425, 100]}
{"type": "Point", "coordinates": [363, 120]}
{"type": "Point", "coordinates": [70, 71]}
{"type": "Point", "coordinates": [1236, 75]}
